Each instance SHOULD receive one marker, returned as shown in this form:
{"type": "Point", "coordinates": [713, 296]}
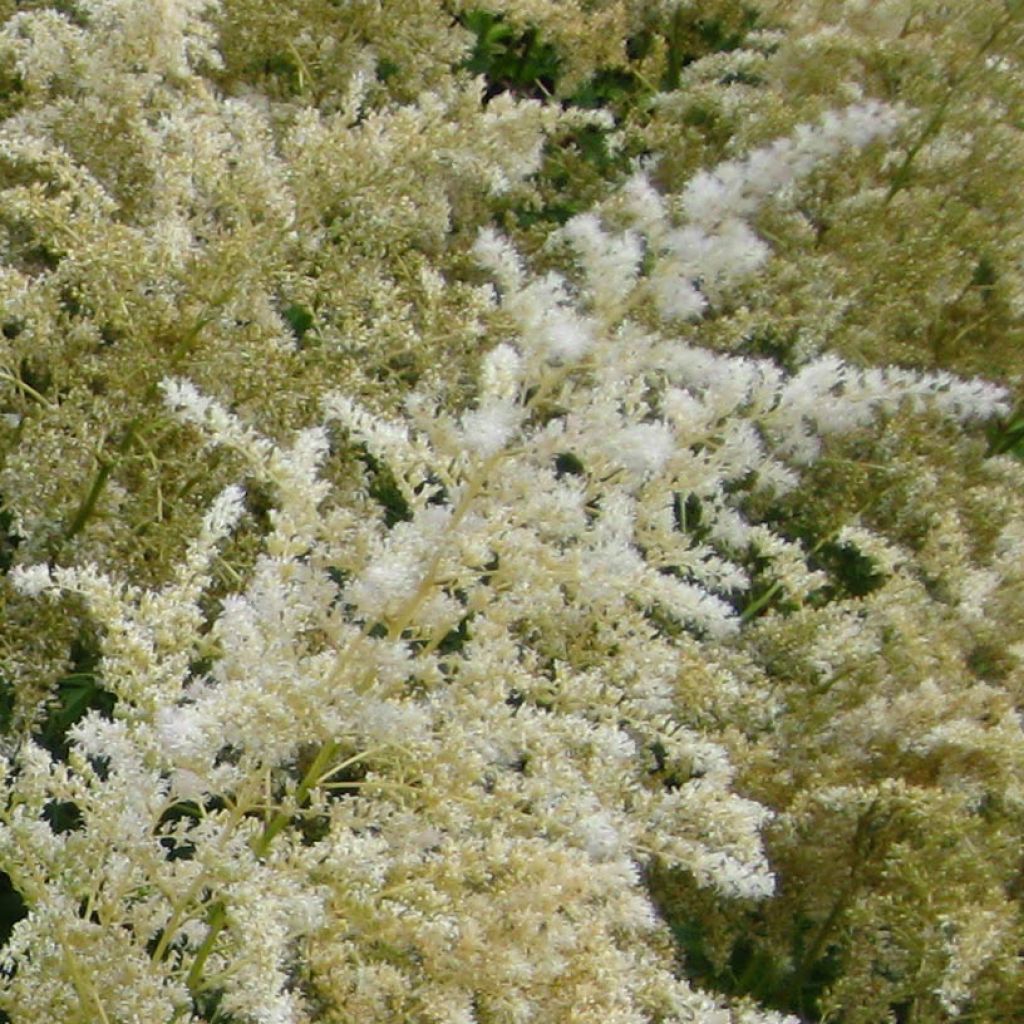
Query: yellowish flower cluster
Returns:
{"type": "Point", "coordinates": [479, 558]}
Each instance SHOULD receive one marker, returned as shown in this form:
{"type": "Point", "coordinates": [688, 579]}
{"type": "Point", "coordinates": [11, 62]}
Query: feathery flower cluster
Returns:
{"type": "Point", "coordinates": [431, 691]}
{"type": "Point", "coordinates": [425, 808]}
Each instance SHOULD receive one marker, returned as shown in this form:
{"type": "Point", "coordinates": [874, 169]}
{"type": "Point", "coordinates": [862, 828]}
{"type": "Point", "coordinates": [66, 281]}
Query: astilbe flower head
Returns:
{"type": "Point", "coordinates": [489, 663]}
{"type": "Point", "coordinates": [399, 753]}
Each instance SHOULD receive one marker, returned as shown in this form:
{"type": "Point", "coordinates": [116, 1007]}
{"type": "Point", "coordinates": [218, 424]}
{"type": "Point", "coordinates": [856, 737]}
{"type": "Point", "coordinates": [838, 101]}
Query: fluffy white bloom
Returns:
{"type": "Point", "coordinates": [222, 427]}
{"type": "Point", "coordinates": [642, 201]}
{"type": "Point", "coordinates": [384, 438]}
{"type": "Point", "coordinates": [391, 579]}
{"type": "Point", "coordinates": [733, 252]}
{"type": "Point", "coordinates": [564, 335]}
{"type": "Point", "coordinates": [694, 605]}
{"type": "Point", "coordinates": [31, 580]}
{"type": "Point", "coordinates": [976, 589]}
{"type": "Point", "coordinates": [501, 372]}
{"type": "Point", "coordinates": [612, 262]}
{"type": "Point", "coordinates": [182, 732]}
{"type": "Point", "coordinates": [495, 254]}
{"type": "Point", "coordinates": [885, 556]}
{"type": "Point", "coordinates": [599, 836]}
{"type": "Point", "coordinates": [550, 326]}
{"type": "Point", "coordinates": [487, 429]}
{"type": "Point", "coordinates": [384, 722]}
{"type": "Point", "coordinates": [225, 512]}
{"type": "Point", "coordinates": [736, 188]}
{"type": "Point", "coordinates": [827, 397]}
{"type": "Point", "coordinates": [165, 35]}
{"type": "Point", "coordinates": [687, 413]}
{"type": "Point", "coordinates": [644, 448]}
{"type": "Point", "coordinates": [405, 737]}
{"type": "Point", "coordinates": [675, 296]}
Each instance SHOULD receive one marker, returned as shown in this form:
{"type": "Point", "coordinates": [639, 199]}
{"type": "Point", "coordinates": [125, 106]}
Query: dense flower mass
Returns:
{"type": "Point", "coordinates": [474, 552]}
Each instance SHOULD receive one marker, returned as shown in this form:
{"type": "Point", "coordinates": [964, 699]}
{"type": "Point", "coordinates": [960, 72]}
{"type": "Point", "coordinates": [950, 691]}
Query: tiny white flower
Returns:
{"type": "Point", "coordinates": [599, 836]}
{"type": "Point", "coordinates": [486, 430]}
{"type": "Point", "coordinates": [675, 297]}
{"type": "Point", "coordinates": [501, 372]}
{"type": "Point", "coordinates": [390, 578]}
{"type": "Point", "coordinates": [495, 254]}
{"type": "Point", "coordinates": [182, 732]}
{"type": "Point", "coordinates": [566, 336]}
{"type": "Point", "coordinates": [644, 448]}
{"type": "Point", "coordinates": [31, 580]}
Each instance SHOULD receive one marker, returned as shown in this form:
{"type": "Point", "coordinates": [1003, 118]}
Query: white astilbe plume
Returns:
{"type": "Point", "coordinates": [146, 663]}
{"type": "Point", "coordinates": [828, 397]}
{"type": "Point", "coordinates": [612, 263]}
{"type": "Point", "coordinates": [736, 188]}
{"type": "Point", "coordinates": [715, 247]}
{"type": "Point", "coordinates": [165, 36]}
{"type": "Point", "coordinates": [445, 720]}
{"type": "Point", "coordinates": [218, 425]}
{"type": "Point", "coordinates": [498, 256]}
{"type": "Point", "coordinates": [293, 471]}
{"type": "Point", "coordinates": [501, 373]}
{"type": "Point", "coordinates": [488, 428]}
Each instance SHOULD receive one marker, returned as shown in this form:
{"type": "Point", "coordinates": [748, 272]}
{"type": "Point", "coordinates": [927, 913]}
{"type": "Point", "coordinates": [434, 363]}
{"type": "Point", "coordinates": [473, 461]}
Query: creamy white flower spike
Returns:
{"type": "Point", "coordinates": [407, 748]}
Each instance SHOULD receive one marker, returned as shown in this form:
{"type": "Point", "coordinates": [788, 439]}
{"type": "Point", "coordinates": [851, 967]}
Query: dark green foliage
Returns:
{"type": "Point", "coordinates": [1007, 436]}
{"type": "Point", "coordinates": [691, 35]}
{"type": "Point", "coordinates": [386, 69]}
{"type": "Point", "coordinates": [12, 910]}
{"type": "Point", "coordinates": [12, 907]}
{"type": "Point", "coordinates": [767, 341]}
{"type": "Point", "coordinates": [186, 811]}
{"type": "Point", "coordinates": [610, 88]}
{"type": "Point", "coordinates": [384, 489]}
{"type": "Point", "coordinates": [985, 277]}
{"type": "Point", "coordinates": [62, 816]}
{"type": "Point", "coordinates": [852, 573]}
{"type": "Point", "coordinates": [794, 985]}
{"type": "Point", "coordinates": [455, 639]}
{"type": "Point", "coordinates": [688, 515]}
{"type": "Point", "coordinates": [7, 705]}
{"type": "Point", "coordinates": [524, 64]}
{"type": "Point", "coordinates": [300, 320]}
{"type": "Point", "coordinates": [990, 662]}
{"type": "Point", "coordinates": [207, 1004]}
{"type": "Point", "coordinates": [511, 61]}
{"type": "Point", "coordinates": [78, 693]}
{"type": "Point", "coordinates": [567, 463]}
{"type": "Point", "coordinates": [284, 67]}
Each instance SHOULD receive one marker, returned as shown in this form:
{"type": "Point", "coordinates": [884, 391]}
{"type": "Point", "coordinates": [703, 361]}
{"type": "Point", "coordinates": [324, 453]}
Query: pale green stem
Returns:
{"type": "Point", "coordinates": [106, 466]}
{"type": "Point", "coordinates": [217, 918]}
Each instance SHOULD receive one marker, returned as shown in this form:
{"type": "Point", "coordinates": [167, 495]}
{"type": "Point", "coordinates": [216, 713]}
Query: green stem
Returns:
{"type": "Point", "coordinates": [88, 505]}
{"type": "Point", "coordinates": [408, 611]}
{"type": "Point", "coordinates": [216, 919]}
{"type": "Point", "coordinates": [674, 57]}
{"type": "Point", "coordinates": [273, 828]}
{"type": "Point", "coordinates": [902, 176]}
{"type": "Point", "coordinates": [863, 847]}
{"type": "Point", "coordinates": [106, 466]}
{"type": "Point", "coordinates": [799, 979]}
{"type": "Point", "coordinates": [170, 929]}
{"type": "Point", "coordinates": [25, 388]}
{"type": "Point", "coordinates": [755, 606]}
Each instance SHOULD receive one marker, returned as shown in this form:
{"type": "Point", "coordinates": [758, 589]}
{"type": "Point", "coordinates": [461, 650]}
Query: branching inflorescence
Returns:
{"type": "Point", "coordinates": [418, 752]}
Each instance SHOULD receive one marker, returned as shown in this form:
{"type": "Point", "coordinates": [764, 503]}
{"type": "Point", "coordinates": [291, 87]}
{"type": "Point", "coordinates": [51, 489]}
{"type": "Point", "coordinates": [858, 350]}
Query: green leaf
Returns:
{"type": "Point", "coordinates": [299, 318]}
